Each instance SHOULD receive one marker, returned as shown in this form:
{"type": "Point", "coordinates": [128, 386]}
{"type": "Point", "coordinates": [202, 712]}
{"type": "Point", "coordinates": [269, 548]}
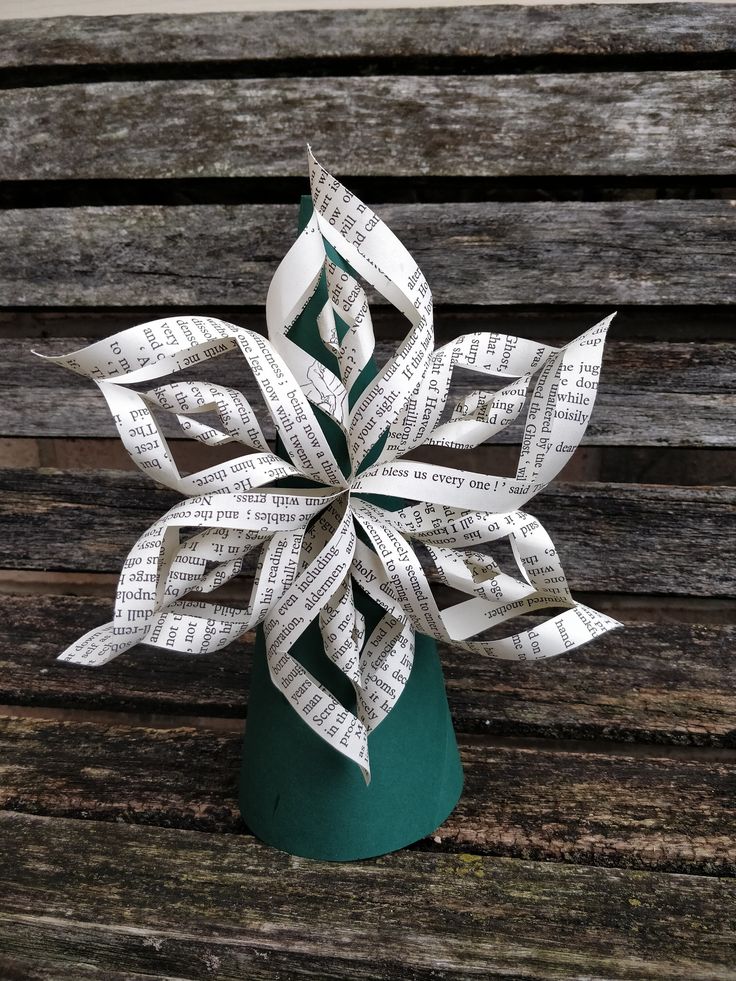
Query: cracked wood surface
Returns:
{"type": "Point", "coordinates": [542, 802]}
{"type": "Point", "coordinates": [630, 252]}
{"type": "Point", "coordinates": [649, 683]}
{"type": "Point", "coordinates": [620, 537]}
{"type": "Point", "coordinates": [469, 125]}
{"type": "Point", "coordinates": [191, 905]}
{"type": "Point", "coordinates": [657, 394]}
{"type": "Point", "coordinates": [459, 32]}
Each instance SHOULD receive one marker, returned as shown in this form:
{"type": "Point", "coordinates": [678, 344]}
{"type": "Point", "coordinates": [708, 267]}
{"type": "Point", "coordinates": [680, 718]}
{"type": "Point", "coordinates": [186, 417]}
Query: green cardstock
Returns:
{"type": "Point", "coordinates": [298, 793]}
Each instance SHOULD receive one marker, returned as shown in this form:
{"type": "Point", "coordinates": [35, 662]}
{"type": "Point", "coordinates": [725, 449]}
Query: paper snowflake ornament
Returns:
{"type": "Point", "coordinates": [318, 514]}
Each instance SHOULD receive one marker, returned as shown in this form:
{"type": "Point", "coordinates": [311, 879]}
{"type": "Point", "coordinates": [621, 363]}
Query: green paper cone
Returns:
{"type": "Point", "coordinates": [296, 791]}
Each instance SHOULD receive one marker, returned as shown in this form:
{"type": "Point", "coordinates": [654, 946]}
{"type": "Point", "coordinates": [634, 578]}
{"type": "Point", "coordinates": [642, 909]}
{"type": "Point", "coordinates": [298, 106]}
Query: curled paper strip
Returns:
{"type": "Point", "coordinates": [332, 530]}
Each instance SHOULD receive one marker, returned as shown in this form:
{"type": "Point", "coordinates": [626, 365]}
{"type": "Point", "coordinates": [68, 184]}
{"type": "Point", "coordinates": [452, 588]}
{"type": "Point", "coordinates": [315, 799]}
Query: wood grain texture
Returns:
{"type": "Point", "coordinates": [652, 683]}
{"type": "Point", "coordinates": [467, 33]}
{"type": "Point", "coordinates": [643, 811]}
{"type": "Point", "coordinates": [557, 124]}
{"type": "Point", "coordinates": [657, 252]}
{"type": "Point", "coordinates": [164, 904]}
{"type": "Point", "coordinates": [650, 394]}
{"type": "Point", "coordinates": [619, 537]}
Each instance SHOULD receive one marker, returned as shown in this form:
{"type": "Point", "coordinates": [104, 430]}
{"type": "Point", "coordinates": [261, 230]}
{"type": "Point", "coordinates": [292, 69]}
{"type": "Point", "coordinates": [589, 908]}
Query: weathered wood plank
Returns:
{"type": "Point", "coordinates": [663, 683]}
{"type": "Point", "coordinates": [634, 530]}
{"type": "Point", "coordinates": [619, 537]}
{"type": "Point", "coordinates": [556, 124]}
{"type": "Point", "coordinates": [179, 904]}
{"type": "Point", "coordinates": [462, 33]}
{"type": "Point", "coordinates": [643, 811]}
{"type": "Point", "coordinates": [655, 367]}
{"type": "Point", "coordinates": [650, 394]}
{"type": "Point", "coordinates": [632, 252]}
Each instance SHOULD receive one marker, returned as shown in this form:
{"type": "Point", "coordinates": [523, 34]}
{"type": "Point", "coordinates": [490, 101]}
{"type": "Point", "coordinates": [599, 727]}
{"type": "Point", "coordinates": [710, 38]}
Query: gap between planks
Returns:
{"type": "Point", "coordinates": [236, 726]}
{"type": "Point", "coordinates": [177, 191]}
{"type": "Point", "coordinates": [628, 606]}
{"type": "Point", "coordinates": [363, 67]}
{"type": "Point", "coordinates": [636, 323]}
{"type": "Point", "coordinates": [667, 465]}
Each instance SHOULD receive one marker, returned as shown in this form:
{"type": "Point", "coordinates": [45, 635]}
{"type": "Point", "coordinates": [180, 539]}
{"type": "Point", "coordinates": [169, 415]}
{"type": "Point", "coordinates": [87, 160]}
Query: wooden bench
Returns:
{"type": "Point", "coordinates": [545, 166]}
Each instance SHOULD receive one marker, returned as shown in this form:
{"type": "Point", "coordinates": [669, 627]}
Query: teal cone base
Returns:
{"type": "Point", "coordinates": [300, 795]}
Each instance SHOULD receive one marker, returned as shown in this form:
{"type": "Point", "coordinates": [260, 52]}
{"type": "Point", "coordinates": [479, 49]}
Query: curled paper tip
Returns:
{"type": "Point", "coordinates": [312, 516]}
